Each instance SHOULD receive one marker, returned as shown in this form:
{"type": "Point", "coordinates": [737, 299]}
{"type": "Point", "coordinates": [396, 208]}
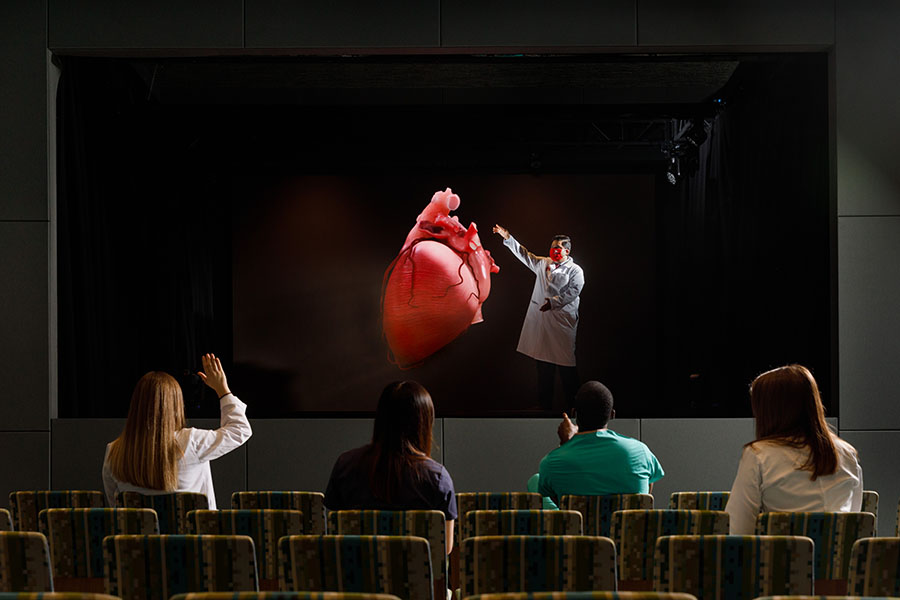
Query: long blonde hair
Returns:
{"type": "Point", "coordinates": [146, 453]}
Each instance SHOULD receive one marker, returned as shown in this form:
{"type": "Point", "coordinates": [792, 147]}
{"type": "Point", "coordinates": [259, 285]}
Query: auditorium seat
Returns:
{"type": "Point", "coordinates": [24, 562]}
{"type": "Point", "coordinates": [398, 565]}
{"type": "Point", "coordinates": [171, 509]}
{"type": "Point", "coordinates": [564, 563]}
{"type": "Point", "coordinates": [25, 505]}
{"type": "Point", "coordinates": [870, 503]}
{"type": "Point", "coordinates": [833, 534]}
{"type": "Point", "coordinates": [584, 596]}
{"type": "Point", "coordinates": [698, 500]}
{"type": "Point", "coordinates": [5, 520]}
{"type": "Point", "coordinates": [597, 510]}
{"type": "Point", "coordinates": [76, 537]}
{"type": "Point", "coordinates": [875, 567]}
{"type": "Point", "coordinates": [311, 504]}
{"type": "Point", "coordinates": [55, 596]}
{"type": "Point", "coordinates": [466, 501]}
{"type": "Point", "coordinates": [155, 567]}
{"type": "Point", "coordinates": [428, 524]}
{"type": "Point", "coordinates": [282, 596]}
{"type": "Point", "coordinates": [265, 526]}
{"type": "Point", "coordinates": [724, 567]}
{"type": "Point", "coordinates": [524, 522]}
{"type": "Point", "coordinates": [635, 533]}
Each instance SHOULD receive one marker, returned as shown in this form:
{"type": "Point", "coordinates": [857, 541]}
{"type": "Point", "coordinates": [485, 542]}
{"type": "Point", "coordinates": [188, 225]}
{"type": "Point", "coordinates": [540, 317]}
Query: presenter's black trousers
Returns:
{"type": "Point", "coordinates": [546, 379]}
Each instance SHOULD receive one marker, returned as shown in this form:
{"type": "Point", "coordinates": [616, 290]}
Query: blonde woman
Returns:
{"type": "Point", "coordinates": [156, 453]}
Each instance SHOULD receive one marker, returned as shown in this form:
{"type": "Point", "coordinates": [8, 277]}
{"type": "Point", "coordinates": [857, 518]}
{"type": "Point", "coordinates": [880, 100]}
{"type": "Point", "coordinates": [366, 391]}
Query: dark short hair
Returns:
{"type": "Point", "coordinates": [593, 406]}
{"type": "Point", "coordinates": [564, 241]}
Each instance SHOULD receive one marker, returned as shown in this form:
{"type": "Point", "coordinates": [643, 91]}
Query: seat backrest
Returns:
{"type": "Point", "coordinates": [833, 534]}
{"type": "Point", "coordinates": [282, 596]}
{"type": "Point", "coordinates": [428, 524]}
{"type": "Point", "coordinates": [875, 567]}
{"type": "Point", "coordinates": [698, 500]}
{"type": "Point", "coordinates": [264, 526]}
{"type": "Point", "coordinates": [26, 505]}
{"type": "Point", "coordinates": [635, 533]}
{"type": "Point", "coordinates": [398, 565]}
{"type": "Point", "coordinates": [583, 596]}
{"type": "Point", "coordinates": [156, 567]}
{"type": "Point", "coordinates": [524, 522]}
{"type": "Point", "coordinates": [537, 563]}
{"type": "Point", "coordinates": [171, 509]}
{"type": "Point", "coordinates": [5, 520]}
{"type": "Point", "coordinates": [311, 504]}
{"type": "Point", "coordinates": [598, 510]}
{"type": "Point", "coordinates": [723, 567]}
{"type": "Point", "coordinates": [24, 562]}
{"type": "Point", "coordinates": [466, 501]}
{"type": "Point", "coordinates": [76, 535]}
{"type": "Point", "coordinates": [870, 503]}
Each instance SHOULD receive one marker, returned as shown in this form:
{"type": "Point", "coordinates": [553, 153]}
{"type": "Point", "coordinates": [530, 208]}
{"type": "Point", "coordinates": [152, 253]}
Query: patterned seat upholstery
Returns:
{"type": "Point", "coordinates": [524, 522]}
{"type": "Point", "coordinates": [311, 504]}
{"type": "Point", "coordinates": [55, 596]}
{"type": "Point", "coordinates": [76, 541]}
{"type": "Point", "coordinates": [5, 520]}
{"type": "Point", "coordinates": [698, 500]}
{"type": "Point", "coordinates": [833, 534]}
{"type": "Point", "coordinates": [466, 501]}
{"type": "Point", "coordinates": [598, 510]}
{"type": "Point", "coordinates": [26, 505]}
{"type": "Point", "coordinates": [584, 596]}
{"type": "Point", "coordinates": [726, 567]}
{"type": "Point", "coordinates": [635, 533]}
{"type": "Point", "coordinates": [820, 598]}
{"type": "Point", "coordinates": [875, 567]}
{"type": "Point", "coordinates": [398, 565]}
{"type": "Point", "coordinates": [171, 509]}
{"type": "Point", "coordinates": [870, 503]}
{"type": "Point", "coordinates": [520, 563]}
{"type": "Point", "coordinates": [156, 567]}
{"type": "Point", "coordinates": [428, 524]}
{"type": "Point", "coordinates": [282, 596]}
{"type": "Point", "coordinates": [24, 562]}
{"type": "Point", "coordinates": [265, 526]}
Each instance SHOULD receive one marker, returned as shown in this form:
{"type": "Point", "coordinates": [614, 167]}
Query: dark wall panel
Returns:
{"type": "Point", "coordinates": [142, 24]}
{"type": "Point", "coordinates": [24, 359]}
{"type": "Point", "coordinates": [356, 24]}
{"type": "Point", "coordinates": [25, 464]}
{"type": "Point", "coordinates": [23, 120]}
{"type": "Point", "coordinates": [537, 23]}
{"type": "Point", "coordinates": [735, 22]}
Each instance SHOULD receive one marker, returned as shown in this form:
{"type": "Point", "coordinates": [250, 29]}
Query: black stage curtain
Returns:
{"type": "Point", "coordinates": [144, 256]}
{"type": "Point", "coordinates": [744, 262]}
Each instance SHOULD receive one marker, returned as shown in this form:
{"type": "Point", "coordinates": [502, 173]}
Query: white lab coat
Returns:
{"type": "Point", "coordinates": [550, 336]}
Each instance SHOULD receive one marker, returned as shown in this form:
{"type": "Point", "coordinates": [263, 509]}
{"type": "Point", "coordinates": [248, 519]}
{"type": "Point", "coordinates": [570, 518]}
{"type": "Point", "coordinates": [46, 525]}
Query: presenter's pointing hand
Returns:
{"type": "Point", "coordinates": [546, 306]}
{"type": "Point", "coordinates": [213, 375]}
{"type": "Point", "coordinates": [501, 231]}
{"type": "Point", "coordinates": [566, 430]}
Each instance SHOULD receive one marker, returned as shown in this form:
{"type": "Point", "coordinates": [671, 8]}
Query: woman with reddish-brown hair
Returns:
{"type": "Point", "coordinates": [395, 471]}
{"type": "Point", "coordinates": [156, 453]}
{"type": "Point", "coordinates": [795, 463]}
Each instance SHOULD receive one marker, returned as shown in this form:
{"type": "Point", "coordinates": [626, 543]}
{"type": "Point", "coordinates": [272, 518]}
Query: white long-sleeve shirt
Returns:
{"type": "Point", "coordinates": [769, 479]}
{"type": "Point", "coordinates": [550, 336]}
{"type": "Point", "coordinates": [199, 446]}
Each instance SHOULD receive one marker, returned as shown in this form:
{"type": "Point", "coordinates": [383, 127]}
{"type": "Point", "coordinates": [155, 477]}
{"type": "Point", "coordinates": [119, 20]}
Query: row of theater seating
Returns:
{"type": "Point", "coordinates": [364, 596]}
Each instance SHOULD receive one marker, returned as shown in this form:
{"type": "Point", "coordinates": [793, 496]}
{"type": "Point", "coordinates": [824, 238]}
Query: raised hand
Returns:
{"type": "Point", "coordinates": [566, 430]}
{"type": "Point", "coordinates": [213, 375]}
{"type": "Point", "coordinates": [501, 231]}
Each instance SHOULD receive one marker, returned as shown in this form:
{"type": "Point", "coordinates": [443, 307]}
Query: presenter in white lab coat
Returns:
{"type": "Point", "coordinates": [551, 322]}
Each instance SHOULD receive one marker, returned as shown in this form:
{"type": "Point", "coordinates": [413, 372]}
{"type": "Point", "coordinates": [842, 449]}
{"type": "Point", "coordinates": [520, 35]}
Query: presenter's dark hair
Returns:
{"type": "Point", "coordinates": [789, 411]}
{"type": "Point", "coordinates": [401, 440]}
{"type": "Point", "coordinates": [564, 241]}
{"type": "Point", "coordinates": [593, 406]}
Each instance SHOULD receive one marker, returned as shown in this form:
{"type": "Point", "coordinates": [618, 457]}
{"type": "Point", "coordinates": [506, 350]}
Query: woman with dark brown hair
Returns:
{"type": "Point", "coordinates": [795, 463]}
{"type": "Point", "coordinates": [395, 471]}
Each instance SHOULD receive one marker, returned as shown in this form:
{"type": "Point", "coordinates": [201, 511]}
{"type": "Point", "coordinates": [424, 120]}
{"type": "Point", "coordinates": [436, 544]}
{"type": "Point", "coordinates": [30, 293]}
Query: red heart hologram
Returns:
{"type": "Point", "coordinates": [435, 287]}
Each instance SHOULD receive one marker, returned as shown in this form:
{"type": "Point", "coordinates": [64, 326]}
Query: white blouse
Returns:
{"type": "Point", "coordinates": [769, 479]}
{"type": "Point", "coordinates": [199, 446]}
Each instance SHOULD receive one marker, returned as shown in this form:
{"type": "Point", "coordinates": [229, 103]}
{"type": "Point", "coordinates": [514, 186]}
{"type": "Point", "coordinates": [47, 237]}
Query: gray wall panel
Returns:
{"type": "Point", "coordinates": [141, 24]}
{"type": "Point", "coordinates": [355, 24]}
{"type": "Point", "coordinates": [23, 120]}
{"type": "Point", "coordinates": [537, 23]}
{"type": "Point", "coordinates": [735, 22]}
{"type": "Point", "coordinates": [499, 455]}
{"type": "Point", "coordinates": [877, 452]}
{"type": "Point", "coordinates": [25, 464]}
{"type": "Point", "coordinates": [869, 321]}
{"type": "Point", "coordinates": [24, 311]}
{"type": "Point", "coordinates": [868, 85]}
{"type": "Point", "coordinates": [696, 454]}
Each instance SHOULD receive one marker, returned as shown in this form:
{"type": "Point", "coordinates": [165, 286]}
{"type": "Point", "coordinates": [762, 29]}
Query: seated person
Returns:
{"type": "Point", "coordinates": [395, 471]}
{"type": "Point", "coordinates": [593, 460]}
{"type": "Point", "coordinates": [795, 463]}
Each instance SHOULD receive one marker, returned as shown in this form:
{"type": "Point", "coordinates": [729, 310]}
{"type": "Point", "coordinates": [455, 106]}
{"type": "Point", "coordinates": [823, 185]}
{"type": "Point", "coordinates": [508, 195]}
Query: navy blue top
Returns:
{"type": "Point", "coordinates": [349, 487]}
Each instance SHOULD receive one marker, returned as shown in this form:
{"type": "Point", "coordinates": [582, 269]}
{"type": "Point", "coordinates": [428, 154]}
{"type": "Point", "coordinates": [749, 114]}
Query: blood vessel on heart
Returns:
{"type": "Point", "coordinates": [433, 290]}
